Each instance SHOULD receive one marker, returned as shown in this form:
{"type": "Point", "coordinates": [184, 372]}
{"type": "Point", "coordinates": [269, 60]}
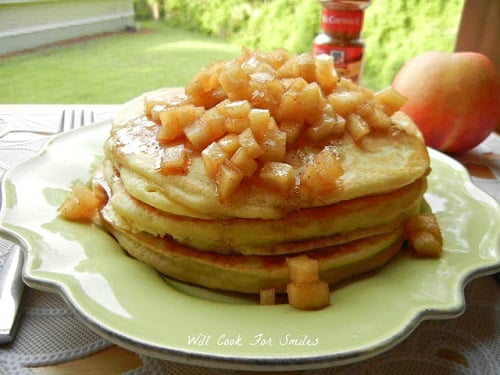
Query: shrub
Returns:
{"type": "Point", "coordinates": [394, 30]}
{"type": "Point", "coordinates": [142, 10]}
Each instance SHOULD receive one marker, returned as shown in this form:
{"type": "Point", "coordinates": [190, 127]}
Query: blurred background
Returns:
{"type": "Point", "coordinates": [108, 51]}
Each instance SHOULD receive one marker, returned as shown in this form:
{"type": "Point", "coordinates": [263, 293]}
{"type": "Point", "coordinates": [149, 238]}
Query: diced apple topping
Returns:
{"type": "Point", "coordinates": [234, 81]}
{"type": "Point", "coordinates": [244, 160]}
{"type": "Point", "coordinates": [390, 99]}
{"type": "Point", "coordinates": [305, 290]}
{"type": "Point", "coordinates": [302, 65]}
{"type": "Point", "coordinates": [267, 296]}
{"type": "Point", "coordinates": [216, 123]}
{"type": "Point", "coordinates": [424, 235]}
{"type": "Point", "coordinates": [310, 100]}
{"type": "Point", "coordinates": [273, 145]}
{"type": "Point", "coordinates": [198, 133]}
{"type": "Point", "coordinates": [205, 89]}
{"type": "Point", "coordinates": [290, 107]}
{"type": "Point", "coordinates": [292, 129]}
{"type": "Point", "coordinates": [236, 109]}
{"type": "Point", "coordinates": [344, 102]}
{"type": "Point", "coordinates": [323, 127]}
{"type": "Point", "coordinates": [326, 75]}
{"type": "Point", "coordinates": [229, 144]}
{"type": "Point", "coordinates": [278, 175]}
{"type": "Point", "coordinates": [259, 121]}
{"type": "Point", "coordinates": [245, 114]}
{"type": "Point", "coordinates": [153, 102]}
{"type": "Point", "coordinates": [175, 119]}
{"type": "Point", "coordinates": [374, 116]}
{"type": "Point", "coordinates": [309, 180]}
{"type": "Point", "coordinates": [356, 126]}
{"type": "Point", "coordinates": [81, 205]}
{"type": "Point", "coordinates": [328, 166]}
{"type": "Point", "coordinates": [213, 156]}
{"type": "Point", "coordinates": [249, 144]}
{"type": "Point", "coordinates": [155, 113]}
{"type": "Point", "coordinates": [313, 296]}
{"type": "Point", "coordinates": [174, 160]}
{"type": "Point", "coordinates": [227, 179]}
{"type": "Point", "coordinates": [302, 269]}
{"type": "Point", "coordinates": [322, 174]}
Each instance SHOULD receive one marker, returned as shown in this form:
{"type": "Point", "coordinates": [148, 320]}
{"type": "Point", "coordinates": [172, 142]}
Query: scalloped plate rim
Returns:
{"type": "Point", "coordinates": [224, 360]}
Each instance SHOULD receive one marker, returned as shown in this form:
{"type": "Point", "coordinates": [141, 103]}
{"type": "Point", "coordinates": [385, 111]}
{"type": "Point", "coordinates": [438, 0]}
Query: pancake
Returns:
{"type": "Point", "coordinates": [379, 163]}
{"type": "Point", "coordinates": [257, 160]}
{"type": "Point", "coordinates": [298, 231]}
{"type": "Point", "coordinates": [250, 274]}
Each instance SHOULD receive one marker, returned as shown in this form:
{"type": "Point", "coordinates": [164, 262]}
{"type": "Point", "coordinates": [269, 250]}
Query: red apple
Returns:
{"type": "Point", "coordinates": [452, 97]}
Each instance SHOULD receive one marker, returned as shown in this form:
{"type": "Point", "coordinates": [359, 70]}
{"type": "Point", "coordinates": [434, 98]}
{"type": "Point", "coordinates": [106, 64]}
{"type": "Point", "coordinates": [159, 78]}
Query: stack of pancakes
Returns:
{"type": "Point", "coordinates": [179, 225]}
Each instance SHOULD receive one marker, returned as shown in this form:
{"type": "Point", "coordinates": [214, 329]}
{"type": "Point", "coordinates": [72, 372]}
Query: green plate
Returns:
{"type": "Point", "coordinates": [132, 305]}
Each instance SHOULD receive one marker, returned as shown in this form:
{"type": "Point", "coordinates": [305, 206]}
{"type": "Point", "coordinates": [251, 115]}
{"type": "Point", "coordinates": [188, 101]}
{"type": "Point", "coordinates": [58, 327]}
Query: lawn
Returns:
{"type": "Point", "coordinates": [109, 69]}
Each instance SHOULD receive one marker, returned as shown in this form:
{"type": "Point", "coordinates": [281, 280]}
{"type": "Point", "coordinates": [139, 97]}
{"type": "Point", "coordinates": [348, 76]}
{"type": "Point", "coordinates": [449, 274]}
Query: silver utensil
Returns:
{"type": "Point", "coordinates": [11, 283]}
{"type": "Point", "coordinates": [69, 120]}
{"type": "Point", "coordinates": [75, 119]}
{"type": "Point", "coordinates": [11, 294]}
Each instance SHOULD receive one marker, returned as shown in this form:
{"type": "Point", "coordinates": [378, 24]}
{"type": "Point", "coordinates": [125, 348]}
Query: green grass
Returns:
{"type": "Point", "coordinates": [109, 69]}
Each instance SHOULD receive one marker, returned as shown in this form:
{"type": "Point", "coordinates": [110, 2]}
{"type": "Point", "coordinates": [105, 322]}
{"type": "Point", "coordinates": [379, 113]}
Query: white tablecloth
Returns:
{"type": "Point", "coordinates": [51, 333]}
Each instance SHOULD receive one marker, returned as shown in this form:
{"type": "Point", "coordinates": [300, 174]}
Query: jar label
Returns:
{"type": "Point", "coordinates": [348, 22]}
{"type": "Point", "coordinates": [346, 59]}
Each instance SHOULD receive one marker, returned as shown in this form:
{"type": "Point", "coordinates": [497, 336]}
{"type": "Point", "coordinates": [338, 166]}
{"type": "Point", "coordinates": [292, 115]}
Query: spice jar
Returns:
{"type": "Point", "coordinates": [341, 25]}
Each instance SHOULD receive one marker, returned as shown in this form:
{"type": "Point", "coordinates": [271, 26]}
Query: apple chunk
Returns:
{"type": "Point", "coordinates": [199, 134]}
{"type": "Point", "coordinates": [273, 145]}
{"type": "Point", "coordinates": [312, 296]}
{"type": "Point", "coordinates": [249, 144]}
{"type": "Point", "coordinates": [174, 160]}
{"type": "Point", "coordinates": [234, 81]}
{"type": "Point", "coordinates": [213, 156]}
{"type": "Point", "coordinates": [326, 75]}
{"type": "Point", "coordinates": [259, 121]}
{"type": "Point", "coordinates": [243, 160]}
{"type": "Point", "coordinates": [323, 173]}
{"type": "Point", "coordinates": [267, 296]}
{"type": "Point", "coordinates": [344, 102]}
{"type": "Point", "coordinates": [81, 205]}
{"type": "Point", "coordinates": [424, 235]}
{"type": "Point", "coordinates": [278, 175]}
{"type": "Point", "coordinates": [228, 179]}
{"type": "Point", "coordinates": [302, 269]}
{"type": "Point", "coordinates": [356, 127]}
{"type": "Point", "coordinates": [305, 290]}
{"type": "Point", "coordinates": [229, 144]}
{"type": "Point", "coordinates": [391, 99]}
{"type": "Point", "coordinates": [175, 119]}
